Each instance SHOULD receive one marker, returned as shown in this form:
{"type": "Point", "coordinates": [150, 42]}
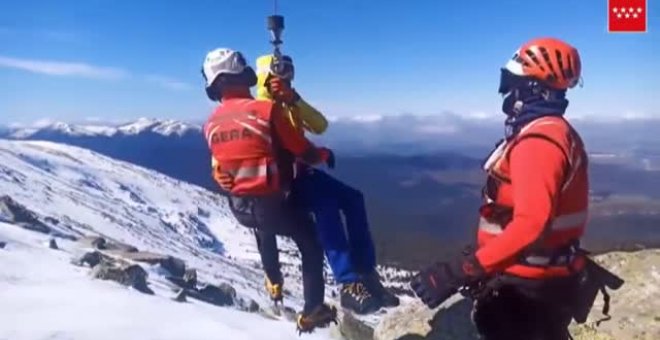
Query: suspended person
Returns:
{"type": "Point", "coordinates": [349, 249]}
{"type": "Point", "coordinates": [535, 210]}
{"type": "Point", "coordinates": [246, 137]}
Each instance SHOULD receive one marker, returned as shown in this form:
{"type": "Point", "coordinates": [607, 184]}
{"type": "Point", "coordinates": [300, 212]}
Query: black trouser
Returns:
{"type": "Point", "coordinates": [270, 255]}
{"type": "Point", "coordinates": [515, 313]}
{"type": "Point", "coordinates": [275, 214]}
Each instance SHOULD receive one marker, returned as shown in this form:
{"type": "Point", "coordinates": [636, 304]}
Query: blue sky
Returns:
{"type": "Point", "coordinates": [119, 59]}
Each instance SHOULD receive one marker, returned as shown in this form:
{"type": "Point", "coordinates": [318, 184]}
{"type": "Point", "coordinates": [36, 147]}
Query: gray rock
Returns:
{"type": "Point", "coordinates": [181, 296]}
{"type": "Point", "coordinates": [216, 295]}
{"type": "Point", "coordinates": [415, 321]}
{"type": "Point", "coordinates": [52, 244]}
{"type": "Point", "coordinates": [253, 307]}
{"type": "Point", "coordinates": [99, 243]}
{"type": "Point", "coordinates": [16, 213]}
{"type": "Point", "coordinates": [228, 289]}
{"type": "Point", "coordinates": [634, 308]}
{"type": "Point", "coordinates": [51, 220]}
{"type": "Point", "coordinates": [92, 259]}
{"type": "Point", "coordinates": [129, 275]}
{"type": "Point", "coordinates": [354, 329]}
{"type": "Point", "coordinates": [190, 277]}
{"type": "Point", "coordinates": [102, 243]}
{"type": "Point", "coordinates": [175, 266]}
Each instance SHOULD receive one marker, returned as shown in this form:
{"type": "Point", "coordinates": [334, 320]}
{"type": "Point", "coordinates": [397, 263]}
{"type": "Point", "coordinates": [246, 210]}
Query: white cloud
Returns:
{"type": "Point", "coordinates": [84, 70]}
{"type": "Point", "coordinates": [59, 68]}
{"type": "Point", "coordinates": [168, 83]}
{"type": "Point", "coordinates": [16, 125]}
{"type": "Point", "coordinates": [43, 123]}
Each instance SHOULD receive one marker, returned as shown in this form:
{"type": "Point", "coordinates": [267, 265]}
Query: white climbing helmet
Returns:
{"type": "Point", "coordinates": [222, 61]}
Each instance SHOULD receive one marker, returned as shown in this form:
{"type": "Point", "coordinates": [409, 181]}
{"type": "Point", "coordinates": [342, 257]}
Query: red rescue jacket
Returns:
{"type": "Point", "coordinates": [248, 139]}
{"type": "Point", "coordinates": [537, 196]}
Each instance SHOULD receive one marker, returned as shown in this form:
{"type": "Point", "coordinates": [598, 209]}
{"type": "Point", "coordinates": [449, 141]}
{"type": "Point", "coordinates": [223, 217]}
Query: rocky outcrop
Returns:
{"type": "Point", "coordinates": [15, 213]}
{"type": "Point", "coordinates": [131, 275]}
{"type": "Point", "coordinates": [350, 328]}
{"type": "Point", "coordinates": [173, 265]}
{"type": "Point", "coordinates": [414, 320]}
{"type": "Point", "coordinates": [115, 261]}
{"type": "Point", "coordinates": [635, 308]}
{"type": "Point", "coordinates": [102, 243]}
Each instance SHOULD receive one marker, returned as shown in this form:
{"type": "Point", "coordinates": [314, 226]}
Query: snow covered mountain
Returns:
{"type": "Point", "coordinates": [171, 147]}
{"type": "Point", "coordinates": [140, 126]}
{"type": "Point", "coordinates": [74, 192]}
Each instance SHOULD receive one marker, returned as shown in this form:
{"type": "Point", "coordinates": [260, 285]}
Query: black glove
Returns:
{"type": "Point", "coordinates": [328, 157]}
{"type": "Point", "coordinates": [331, 159]}
{"type": "Point", "coordinates": [437, 283]}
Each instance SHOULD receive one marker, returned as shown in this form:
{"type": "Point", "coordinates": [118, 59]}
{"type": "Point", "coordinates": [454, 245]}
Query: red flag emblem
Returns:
{"type": "Point", "coordinates": [626, 15]}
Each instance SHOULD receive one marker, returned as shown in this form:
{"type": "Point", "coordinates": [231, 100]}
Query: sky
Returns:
{"type": "Point", "coordinates": [116, 60]}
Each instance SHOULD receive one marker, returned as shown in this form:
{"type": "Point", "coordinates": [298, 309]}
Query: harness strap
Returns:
{"type": "Point", "coordinates": [606, 306]}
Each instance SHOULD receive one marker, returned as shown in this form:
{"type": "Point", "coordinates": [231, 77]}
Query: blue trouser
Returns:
{"type": "Point", "coordinates": [350, 251]}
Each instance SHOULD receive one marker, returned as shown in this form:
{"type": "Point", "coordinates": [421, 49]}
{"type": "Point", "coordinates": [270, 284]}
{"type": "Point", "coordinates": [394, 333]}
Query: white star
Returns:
{"type": "Point", "coordinates": [631, 9]}
{"type": "Point", "coordinates": [615, 10]}
{"type": "Point", "coordinates": [618, 15]}
{"type": "Point", "coordinates": [627, 15]}
{"type": "Point", "coordinates": [635, 15]}
{"type": "Point", "coordinates": [639, 9]}
{"type": "Point", "coordinates": [623, 10]}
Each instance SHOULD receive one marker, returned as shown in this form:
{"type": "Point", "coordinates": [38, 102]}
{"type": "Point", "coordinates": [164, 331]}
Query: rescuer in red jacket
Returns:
{"type": "Point", "coordinates": [535, 206]}
{"type": "Point", "coordinates": [253, 141]}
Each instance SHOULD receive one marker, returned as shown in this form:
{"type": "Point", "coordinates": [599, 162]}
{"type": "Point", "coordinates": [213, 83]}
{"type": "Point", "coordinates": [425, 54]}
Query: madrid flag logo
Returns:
{"type": "Point", "coordinates": [626, 15]}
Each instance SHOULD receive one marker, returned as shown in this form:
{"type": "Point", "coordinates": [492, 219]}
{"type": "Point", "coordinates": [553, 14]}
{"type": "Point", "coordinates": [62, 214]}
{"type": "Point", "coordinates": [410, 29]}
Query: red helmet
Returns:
{"type": "Point", "coordinates": [550, 61]}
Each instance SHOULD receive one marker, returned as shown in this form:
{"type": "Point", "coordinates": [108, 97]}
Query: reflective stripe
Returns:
{"type": "Point", "coordinates": [574, 164]}
{"type": "Point", "coordinates": [259, 121]}
{"type": "Point", "coordinates": [569, 221]}
{"type": "Point", "coordinates": [562, 222]}
{"type": "Point", "coordinates": [246, 172]}
{"type": "Point", "coordinates": [490, 227]}
{"type": "Point", "coordinates": [261, 134]}
{"type": "Point", "coordinates": [211, 133]}
{"type": "Point", "coordinates": [536, 260]}
{"type": "Point", "coordinates": [495, 156]}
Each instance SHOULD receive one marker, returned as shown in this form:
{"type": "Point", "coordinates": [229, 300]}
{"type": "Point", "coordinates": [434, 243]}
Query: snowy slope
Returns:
{"type": "Point", "coordinates": [78, 192]}
{"type": "Point", "coordinates": [44, 297]}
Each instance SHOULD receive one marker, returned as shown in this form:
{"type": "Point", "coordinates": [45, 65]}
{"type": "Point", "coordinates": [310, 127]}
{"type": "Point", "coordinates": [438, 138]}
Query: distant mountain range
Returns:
{"type": "Point", "coordinates": [138, 127]}
{"type": "Point", "coordinates": [419, 192]}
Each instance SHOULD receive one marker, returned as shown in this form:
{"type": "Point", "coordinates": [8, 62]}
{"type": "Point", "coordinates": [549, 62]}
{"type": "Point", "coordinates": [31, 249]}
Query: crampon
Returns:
{"type": "Point", "coordinates": [274, 291]}
{"type": "Point", "coordinates": [321, 316]}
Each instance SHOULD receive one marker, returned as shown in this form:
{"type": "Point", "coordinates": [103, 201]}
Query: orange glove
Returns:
{"type": "Point", "coordinates": [224, 180]}
{"type": "Point", "coordinates": [281, 90]}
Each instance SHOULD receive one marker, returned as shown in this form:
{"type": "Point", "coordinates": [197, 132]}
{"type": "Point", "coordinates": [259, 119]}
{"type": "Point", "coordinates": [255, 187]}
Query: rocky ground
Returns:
{"type": "Point", "coordinates": [635, 308]}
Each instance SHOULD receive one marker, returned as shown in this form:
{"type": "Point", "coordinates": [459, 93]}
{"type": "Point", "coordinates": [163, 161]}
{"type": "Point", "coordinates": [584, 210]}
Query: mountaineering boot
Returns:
{"type": "Point", "coordinates": [274, 290]}
{"type": "Point", "coordinates": [356, 297]}
{"type": "Point", "coordinates": [373, 282]}
{"type": "Point", "coordinates": [321, 316]}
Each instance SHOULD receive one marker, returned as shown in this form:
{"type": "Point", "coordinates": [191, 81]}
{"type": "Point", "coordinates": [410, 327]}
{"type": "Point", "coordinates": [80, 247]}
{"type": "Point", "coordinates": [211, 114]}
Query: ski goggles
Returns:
{"type": "Point", "coordinates": [510, 81]}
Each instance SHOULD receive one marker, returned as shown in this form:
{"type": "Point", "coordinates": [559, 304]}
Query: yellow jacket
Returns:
{"type": "Point", "coordinates": [302, 115]}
